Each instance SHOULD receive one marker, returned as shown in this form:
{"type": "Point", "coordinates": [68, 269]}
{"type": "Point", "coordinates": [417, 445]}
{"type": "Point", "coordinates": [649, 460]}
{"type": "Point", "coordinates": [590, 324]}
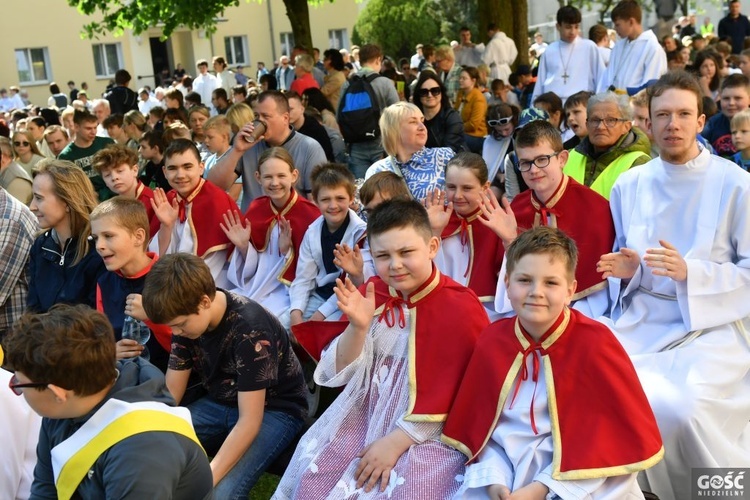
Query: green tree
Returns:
{"type": "Point", "coordinates": [398, 25]}
{"type": "Point", "coordinates": [140, 15]}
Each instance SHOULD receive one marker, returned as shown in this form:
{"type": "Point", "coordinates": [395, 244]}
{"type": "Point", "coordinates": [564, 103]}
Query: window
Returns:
{"type": "Point", "coordinates": [235, 48]}
{"type": "Point", "coordinates": [337, 39]}
{"type": "Point", "coordinates": [107, 59]}
{"type": "Point", "coordinates": [33, 65]}
{"type": "Point", "coordinates": [287, 42]}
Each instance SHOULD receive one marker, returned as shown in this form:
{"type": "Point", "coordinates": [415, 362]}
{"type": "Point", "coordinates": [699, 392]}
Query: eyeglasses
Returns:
{"type": "Point", "coordinates": [20, 143]}
{"type": "Point", "coordinates": [435, 91]}
{"type": "Point", "coordinates": [608, 122]}
{"type": "Point", "coordinates": [539, 161]}
{"type": "Point", "coordinates": [15, 386]}
{"type": "Point", "coordinates": [499, 121]}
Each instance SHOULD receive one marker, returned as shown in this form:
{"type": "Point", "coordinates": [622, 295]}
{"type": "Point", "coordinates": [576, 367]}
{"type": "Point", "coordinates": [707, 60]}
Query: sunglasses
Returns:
{"type": "Point", "coordinates": [21, 143]}
{"type": "Point", "coordinates": [16, 387]}
{"type": "Point", "coordinates": [501, 121]}
{"type": "Point", "coordinates": [435, 91]}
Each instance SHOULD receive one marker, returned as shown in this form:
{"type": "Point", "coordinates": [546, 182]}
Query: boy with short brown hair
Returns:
{"type": "Point", "coordinates": [552, 376]}
{"type": "Point", "coordinates": [256, 402]}
{"type": "Point", "coordinates": [87, 396]}
{"type": "Point", "coordinates": [311, 292]}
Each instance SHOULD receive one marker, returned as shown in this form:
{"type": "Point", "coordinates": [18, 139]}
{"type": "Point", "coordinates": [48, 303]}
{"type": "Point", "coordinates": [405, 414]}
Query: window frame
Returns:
{"type": "Point", "coordinates": [30, 63]}
{"type": "Point", "coordinates": [103, 52]}
{"type": "Point", "coordinates": [231, 55]}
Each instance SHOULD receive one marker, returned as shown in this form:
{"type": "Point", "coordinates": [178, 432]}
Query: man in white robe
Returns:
{"type": "Point", "coordinates": [499, 53]}
{"type": "Point", "coordinates": [637, 56]}
{"type": "Point", "coordinates": [569, 56]}
{"type": "Point", "coordinates": [683, 257]}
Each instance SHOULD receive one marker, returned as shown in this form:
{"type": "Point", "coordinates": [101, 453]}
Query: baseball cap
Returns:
{"type": "Point", "coordinates": [531, 115]}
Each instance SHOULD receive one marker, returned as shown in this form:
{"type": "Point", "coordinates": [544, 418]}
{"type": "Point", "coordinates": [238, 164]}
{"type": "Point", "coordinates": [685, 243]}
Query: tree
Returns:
{"type": "Point", "coordinates": [397, 26]}
{"type": "Point", "coordinates": [140, 15]}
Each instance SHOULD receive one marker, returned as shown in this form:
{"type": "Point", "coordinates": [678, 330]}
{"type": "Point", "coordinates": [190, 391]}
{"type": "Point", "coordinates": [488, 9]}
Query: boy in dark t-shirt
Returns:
{"type": "Point", "coordinates": [82, 151]}
{"type": "Point", "coordinates": [256, 402]}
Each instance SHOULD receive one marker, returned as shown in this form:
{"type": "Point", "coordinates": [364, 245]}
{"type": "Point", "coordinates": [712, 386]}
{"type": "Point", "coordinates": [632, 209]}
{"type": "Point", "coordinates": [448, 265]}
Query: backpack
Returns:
{"type": "Point", "coordinates": [359, 111]}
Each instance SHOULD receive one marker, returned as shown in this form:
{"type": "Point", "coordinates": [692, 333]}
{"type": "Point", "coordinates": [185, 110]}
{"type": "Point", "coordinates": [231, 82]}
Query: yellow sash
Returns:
{"type": "Point", "coordinates": [115, 421]}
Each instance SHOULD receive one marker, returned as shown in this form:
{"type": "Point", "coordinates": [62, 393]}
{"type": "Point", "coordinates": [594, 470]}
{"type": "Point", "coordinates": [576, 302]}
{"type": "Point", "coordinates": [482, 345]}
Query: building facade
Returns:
{"type": "Point", "coordinates": [44, 44]}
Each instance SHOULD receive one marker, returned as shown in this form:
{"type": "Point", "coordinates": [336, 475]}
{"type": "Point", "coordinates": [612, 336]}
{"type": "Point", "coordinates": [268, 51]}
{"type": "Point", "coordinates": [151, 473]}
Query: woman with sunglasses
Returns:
{"type": "Point", "coordinates": [472, 105]}
{"type": "Point", "coordinates": [444, 125]}
{"type": "Point", "coordinates": [501, 120]}
{"type": "Point", "coordinates": [25, 151]}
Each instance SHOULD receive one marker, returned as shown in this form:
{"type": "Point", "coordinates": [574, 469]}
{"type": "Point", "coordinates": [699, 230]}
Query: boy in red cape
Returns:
{"type": "Point", "coordinates": [401, 357]}
{"type": "Point", "coordinates": [556, 200]}
{"type": "Point", "coordinates": [267, 242]}
{"type": "Point", "coordinates": [550, 402]}
{"type": "Point", "coordinates": [191, 214]}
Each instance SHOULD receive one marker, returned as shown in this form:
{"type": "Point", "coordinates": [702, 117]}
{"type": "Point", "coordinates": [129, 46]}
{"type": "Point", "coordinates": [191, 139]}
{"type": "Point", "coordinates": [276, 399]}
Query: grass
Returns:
{"type": "Point", "coordinates": [264, 488]}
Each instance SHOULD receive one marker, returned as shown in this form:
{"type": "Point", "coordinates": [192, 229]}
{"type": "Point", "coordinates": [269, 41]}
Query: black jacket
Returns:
{"type": "Point", "coordinates": [121, 100]}
{"type": "Point", "coordinates": [446, 130]}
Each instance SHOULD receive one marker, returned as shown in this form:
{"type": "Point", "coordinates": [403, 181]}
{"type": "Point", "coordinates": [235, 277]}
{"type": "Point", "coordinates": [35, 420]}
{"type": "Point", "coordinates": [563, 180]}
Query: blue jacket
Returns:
{"type": "Point", "coordinates": [147, 465]}
{"type": "Point", "coordinates": [53, 279]}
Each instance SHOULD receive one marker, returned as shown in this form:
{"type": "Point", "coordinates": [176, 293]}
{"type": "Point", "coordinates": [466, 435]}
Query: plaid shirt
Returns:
{"type": "Point", "coordinates": [450, 80]}
{"type": "Point", "coordinates": [18, 228]}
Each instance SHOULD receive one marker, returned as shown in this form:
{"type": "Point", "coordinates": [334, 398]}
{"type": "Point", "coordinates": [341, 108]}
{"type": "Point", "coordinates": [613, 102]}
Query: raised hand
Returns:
{"type": "Point", "coordinates": [237, 230]}
{"type": "Point", "coordinates": [438, 212]}
{"type": "Point", "coordinates": [360, 310]}
{"type": "Point", "coordinates": [499, 217]}
{"type": "Point", "coordinates": [666, 261]}
{"type": "Point", "coordinates": [285, 235]}
{"type": "Point", "coordinates": [166, 212]}
{"type": "Point", "coordinates": [622, 264]}
{"type": "Point", "coordinates": [350, 261]}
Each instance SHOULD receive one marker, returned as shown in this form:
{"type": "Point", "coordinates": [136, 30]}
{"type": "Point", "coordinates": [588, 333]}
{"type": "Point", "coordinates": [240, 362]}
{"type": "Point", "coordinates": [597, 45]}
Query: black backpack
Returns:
{"type": "Point", "coordinates": [359, 111]}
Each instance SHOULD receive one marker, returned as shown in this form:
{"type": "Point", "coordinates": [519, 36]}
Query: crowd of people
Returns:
{"type": "Point", "coordinates": [526, 283]}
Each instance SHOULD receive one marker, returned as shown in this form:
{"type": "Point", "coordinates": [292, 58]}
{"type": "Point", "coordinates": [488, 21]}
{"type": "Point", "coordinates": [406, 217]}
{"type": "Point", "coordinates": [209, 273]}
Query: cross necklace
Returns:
{"type": "Point", "coordinates": [565, 65]}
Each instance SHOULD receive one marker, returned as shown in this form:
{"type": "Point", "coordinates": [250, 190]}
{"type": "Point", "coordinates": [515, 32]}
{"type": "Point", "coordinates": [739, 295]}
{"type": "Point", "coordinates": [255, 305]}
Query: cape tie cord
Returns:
{"type": "Point", "coordinates": [546, 212]}
{"type": "Point", "coordinates": [464, 235]}
{"type": "Point", "coordinates": [182, 211]}
{"type": "Point", "coordinates": [393, 304]}
{"type": "Point", "coordinates": [531, 350]}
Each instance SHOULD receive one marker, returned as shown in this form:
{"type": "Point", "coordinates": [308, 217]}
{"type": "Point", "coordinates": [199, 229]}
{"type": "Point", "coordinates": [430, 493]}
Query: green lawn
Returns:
{"type": "Point", "coordinates": [265, 487]}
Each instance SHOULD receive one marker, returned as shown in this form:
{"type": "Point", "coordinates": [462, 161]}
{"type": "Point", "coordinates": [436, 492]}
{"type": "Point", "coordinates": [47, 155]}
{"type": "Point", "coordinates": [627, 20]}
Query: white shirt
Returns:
{"type": "Point", "coordinates": [633, 63]}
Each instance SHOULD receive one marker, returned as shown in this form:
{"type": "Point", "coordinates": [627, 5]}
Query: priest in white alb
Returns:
{"type": "Point", "coordinates": [569, 56]}
{"type": "Point", "coordinates": [637, 57]}
{"type": "Point", "coordinates": [682, 256]}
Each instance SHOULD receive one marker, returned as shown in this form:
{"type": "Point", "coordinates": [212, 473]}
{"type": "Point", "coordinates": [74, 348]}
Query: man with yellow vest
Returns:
{"type": "Point", "coordinates": [111, 429]}
{"type": "Point", "coordinates": [612, 147]}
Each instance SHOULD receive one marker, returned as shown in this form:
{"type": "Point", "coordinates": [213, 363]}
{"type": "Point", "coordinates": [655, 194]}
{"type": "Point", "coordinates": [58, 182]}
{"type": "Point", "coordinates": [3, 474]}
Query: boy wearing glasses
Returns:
{"type": "Point", "coordinates": [556, 200]}
{"type": "Point", "coordinates": [108, 426]}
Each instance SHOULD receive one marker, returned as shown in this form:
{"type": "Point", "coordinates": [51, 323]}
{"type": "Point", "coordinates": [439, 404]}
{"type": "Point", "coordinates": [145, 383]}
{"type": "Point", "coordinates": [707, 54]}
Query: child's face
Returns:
{"type": "Point", "coordinates": [42, 402]}
{"type": "Point", "coordinates": [734, 100]}
{"type": "Point", "coordinates": [116, 133]}
{"type": "Point", "coordinates": [625, 27]}
{"type": "Point", "coordinates": [376, 200]}
{"type": "Point", "coordinates": [403, 258]}
{"type": "Point", "coordinates": [193, 326]}
{"type": "Point", "coordinates": [183, 172]}
{"type": "Point", "coordinates": [569, 32]}
{"type": "Point", "coordinates": [741, 136]}
{"type": "Point", "coordinates": [277, 180]}
{"type": "Point", "coordinates": [544, 181]}
{"type": "Point", "coordinates": [640, 118]}
{"type": "Point", "coordinates": [146, 151]}
{"type": "Point", "coordinates": [196, 122]}
{"type": "Point", "coordinates": [215, 141]}
{"type": "Point", "coordinates": [464, 190]}
{"type": "Point", "coordinates": [51, 211]}
{"type": "Point", "coordinates": [117, 246]}
{"type": "Point", "coordinates": [745, 65]}
{"type": "Point", "coordinates": [333, 203]}
{"type": "Point", "coordinates": [122, 179]}
{"type": "Point", "coordinates": [576, 119]}
{"type": "Point", "coordinates": [539, 288]}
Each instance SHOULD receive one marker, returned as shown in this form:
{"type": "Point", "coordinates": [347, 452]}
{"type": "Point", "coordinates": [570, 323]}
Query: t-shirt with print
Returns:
{"type": "Point", "coordinates": [249, 350]}
{"type": "Point", "coordinates": [83, 157]}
